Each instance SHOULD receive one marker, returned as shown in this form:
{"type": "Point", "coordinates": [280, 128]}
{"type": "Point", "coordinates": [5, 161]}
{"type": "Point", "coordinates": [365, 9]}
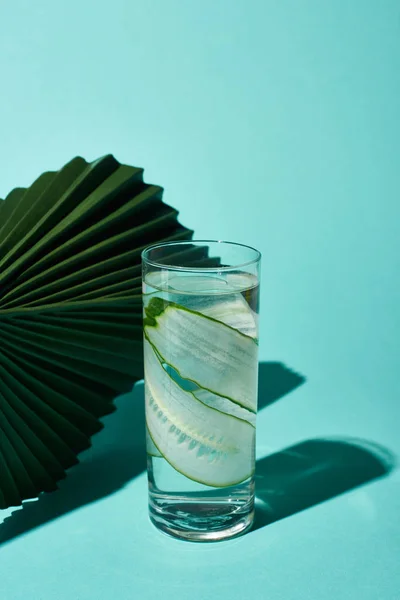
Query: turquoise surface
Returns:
{"type": "Point", "coordinates": [273, 123]}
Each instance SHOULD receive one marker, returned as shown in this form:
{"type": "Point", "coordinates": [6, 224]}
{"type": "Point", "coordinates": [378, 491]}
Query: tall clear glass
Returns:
{"type": "Point", "coordinates": [201, 306]}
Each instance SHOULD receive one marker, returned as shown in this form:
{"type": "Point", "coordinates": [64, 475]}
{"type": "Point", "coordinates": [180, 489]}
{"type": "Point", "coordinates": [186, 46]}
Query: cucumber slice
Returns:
{"type": "Point", "coordinates": [151, 448]}
{"type": "Point", "coordinates": [213, 355]}
{"type": "Point", "coordinates": [224, 405]}
{"type": "Point", "coordinates": [200, 442]}
{"type": "Point", "coordinates": [204, 295]}
{"type": "Point", "coordinates": [213, 400]}
{"type": "Point", "coordinates": [234, 312]}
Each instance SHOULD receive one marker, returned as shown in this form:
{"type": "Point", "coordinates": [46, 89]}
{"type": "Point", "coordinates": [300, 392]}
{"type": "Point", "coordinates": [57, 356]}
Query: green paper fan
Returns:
{"type": "Point", "coordinates": [70, 311]}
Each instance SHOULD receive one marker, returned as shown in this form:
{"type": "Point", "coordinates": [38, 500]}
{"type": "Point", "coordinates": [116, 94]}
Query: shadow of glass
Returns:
{"type": "Point", "coordinates": [313, 471]}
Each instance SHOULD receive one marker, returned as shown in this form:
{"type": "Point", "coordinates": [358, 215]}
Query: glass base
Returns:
{"type": "Point", "coordinates": [200, 521]}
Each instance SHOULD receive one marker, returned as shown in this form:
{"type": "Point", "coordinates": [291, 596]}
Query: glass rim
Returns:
{"type": "Point", "coordinates": [171, 267]}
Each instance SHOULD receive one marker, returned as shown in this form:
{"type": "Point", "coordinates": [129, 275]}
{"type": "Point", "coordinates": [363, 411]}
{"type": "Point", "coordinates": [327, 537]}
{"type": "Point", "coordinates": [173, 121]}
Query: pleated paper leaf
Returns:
{"type": "Point", "coordinates": [70, 311]}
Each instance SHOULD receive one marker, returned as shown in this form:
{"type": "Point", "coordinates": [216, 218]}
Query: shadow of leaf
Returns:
{"type": "Point", "coordinates": [118, 455]}
{"type": "Point", "coordinates": [313, 471]}
{"type": "Point", "coordinates": [275, 380]}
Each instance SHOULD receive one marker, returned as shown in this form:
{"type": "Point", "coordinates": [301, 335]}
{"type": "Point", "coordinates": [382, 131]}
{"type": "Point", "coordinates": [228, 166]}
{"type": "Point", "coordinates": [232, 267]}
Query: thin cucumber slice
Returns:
{"type": "Point", "coordinates": [214, 297]}
{"type": "Point", "coordinates": [198, 441]}
{"type": "Point", "coordinates": [211, 354]}
{"type": "Point", "coordinates": [234, 312]}
{"type": "Point", "coordinates": [213, 400]}
{"type": "Point", "coordinates": [224, 405]}
{"type": "Point", "coordinates": [232, 309]}
{"type": "Point", "coordinates": [151, 448]}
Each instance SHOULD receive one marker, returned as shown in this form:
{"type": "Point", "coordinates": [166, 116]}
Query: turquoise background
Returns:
{"type": "Point", "coordinates": [274, 123]}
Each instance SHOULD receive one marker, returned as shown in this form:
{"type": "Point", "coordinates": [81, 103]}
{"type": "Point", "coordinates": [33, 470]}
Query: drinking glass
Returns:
{"type": "Point", "coordinates": [201, 306]}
